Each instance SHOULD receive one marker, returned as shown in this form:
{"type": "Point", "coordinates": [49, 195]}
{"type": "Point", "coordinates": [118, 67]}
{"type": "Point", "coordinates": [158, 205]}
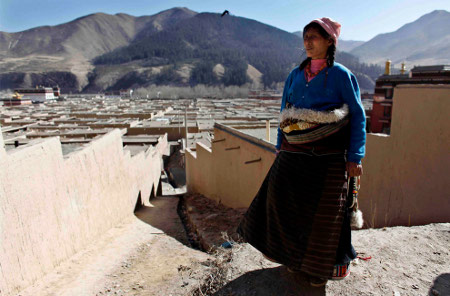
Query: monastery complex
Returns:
{"type": "Point", "coordinates": [72, 169]}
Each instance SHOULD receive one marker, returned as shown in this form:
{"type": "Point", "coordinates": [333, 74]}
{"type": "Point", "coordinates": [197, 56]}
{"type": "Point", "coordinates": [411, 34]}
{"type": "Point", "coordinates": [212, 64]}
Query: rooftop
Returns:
{"type": "Point", "coordinates": [434, 68]}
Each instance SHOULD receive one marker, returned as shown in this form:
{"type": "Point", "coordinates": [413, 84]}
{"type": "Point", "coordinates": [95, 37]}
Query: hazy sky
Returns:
{"type": "Point", "coordinates": [360, 19]}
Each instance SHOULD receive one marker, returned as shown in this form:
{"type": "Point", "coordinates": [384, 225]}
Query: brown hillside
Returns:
{"type": "Point", "coordinates": [69, 47]}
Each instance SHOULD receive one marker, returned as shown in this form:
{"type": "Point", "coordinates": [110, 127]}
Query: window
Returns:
{"type": "Point", "coordinates": [387, 111]}
{"type": "Point", "coordinates": [386, 129]}
{"type": "Point", "coordinates": [389, 93]}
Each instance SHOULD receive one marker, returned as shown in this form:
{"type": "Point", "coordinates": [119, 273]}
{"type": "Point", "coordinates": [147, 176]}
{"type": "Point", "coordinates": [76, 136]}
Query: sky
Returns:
{"type": "Point", "coordinates": [360, 19]}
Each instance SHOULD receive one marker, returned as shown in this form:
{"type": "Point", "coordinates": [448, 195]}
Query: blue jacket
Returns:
{"type": "Point", "coordinates": [341, 87]}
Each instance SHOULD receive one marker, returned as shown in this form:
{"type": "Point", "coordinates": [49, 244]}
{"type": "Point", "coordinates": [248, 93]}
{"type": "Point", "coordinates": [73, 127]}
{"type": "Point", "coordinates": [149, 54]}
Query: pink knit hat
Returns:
{"type": "Point", "coordinates": [331, 26]}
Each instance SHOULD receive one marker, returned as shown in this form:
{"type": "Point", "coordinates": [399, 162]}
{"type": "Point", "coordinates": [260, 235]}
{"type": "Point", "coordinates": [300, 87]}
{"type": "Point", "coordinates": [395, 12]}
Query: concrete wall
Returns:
{"type": "Point", "coordinates": [405, 179]}
{"type": "Point", "coordinates": [222, 174]}
{"type": "Point", "coordinates": [199, 171]}
{"type": "Point", "coordinates": [140, 116]}
{"type": "Point", "coordinates": [174, 133]}
{"type": "Point", "coordinates": [52, 206]}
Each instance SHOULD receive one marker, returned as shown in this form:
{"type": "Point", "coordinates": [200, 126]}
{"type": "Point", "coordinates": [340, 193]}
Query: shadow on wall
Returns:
{"type": "Point", "coordinates": [139, 203]}
{"type": "Point", "coordinates": [147, 201]}
{"type": "Point", "coordinates": [441, 285]}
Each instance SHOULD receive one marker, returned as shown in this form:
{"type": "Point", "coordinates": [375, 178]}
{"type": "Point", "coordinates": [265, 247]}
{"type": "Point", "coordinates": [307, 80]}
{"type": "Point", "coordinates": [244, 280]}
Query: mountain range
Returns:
{"type": "Point", "coordinates": [178, 46]}
{"type": "Point", "coordinates": [425, 41]}
{"type": "Point", "coordinates": [44, 53]}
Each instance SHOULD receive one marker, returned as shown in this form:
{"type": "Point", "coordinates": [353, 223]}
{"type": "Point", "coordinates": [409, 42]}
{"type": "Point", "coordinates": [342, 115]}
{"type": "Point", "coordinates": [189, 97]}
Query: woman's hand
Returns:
{"type": "Point", "coordinates": [354, 169]}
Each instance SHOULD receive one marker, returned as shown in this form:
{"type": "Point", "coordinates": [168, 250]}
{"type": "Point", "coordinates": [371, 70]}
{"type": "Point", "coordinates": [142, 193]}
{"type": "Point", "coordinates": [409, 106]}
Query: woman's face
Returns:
{"type": "Point", "coordinates": [316, 46]}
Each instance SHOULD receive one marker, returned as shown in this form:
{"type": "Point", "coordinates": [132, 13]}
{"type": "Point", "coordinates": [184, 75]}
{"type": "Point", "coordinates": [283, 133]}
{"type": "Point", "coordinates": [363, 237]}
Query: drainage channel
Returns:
{"type": "Point", "coordinates": [176, 177]}
{"type": "Point", "coordinates": [189, 227]}
{"type": "Point", "coordinates": [217, 277]}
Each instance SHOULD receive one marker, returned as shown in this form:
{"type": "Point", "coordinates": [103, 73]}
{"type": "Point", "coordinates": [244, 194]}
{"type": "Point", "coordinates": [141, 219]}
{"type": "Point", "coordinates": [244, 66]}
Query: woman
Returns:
{"type": "Point", "coordinates": [300, 216]}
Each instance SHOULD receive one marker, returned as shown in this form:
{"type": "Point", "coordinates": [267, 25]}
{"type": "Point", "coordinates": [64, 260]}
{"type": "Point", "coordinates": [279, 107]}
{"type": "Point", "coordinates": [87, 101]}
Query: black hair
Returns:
{"type": "Point", "coordinates": [331, 51]}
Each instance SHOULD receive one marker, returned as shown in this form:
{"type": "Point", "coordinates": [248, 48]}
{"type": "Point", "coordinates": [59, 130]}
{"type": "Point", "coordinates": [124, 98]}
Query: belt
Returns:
{"type": "Point", "coordinates": [310, 149]}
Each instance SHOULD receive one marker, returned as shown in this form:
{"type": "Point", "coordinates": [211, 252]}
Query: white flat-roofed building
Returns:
{"type": "Point", "coordinates": [125, 93]}
{"type": "Point", "coordinates": [38, 94]}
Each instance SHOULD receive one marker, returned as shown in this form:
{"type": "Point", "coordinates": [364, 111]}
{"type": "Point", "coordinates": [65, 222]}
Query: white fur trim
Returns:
{"type": "Point", "coordinates": [357, 219]}
{"type": "Point", "coordinates": [313, 115]}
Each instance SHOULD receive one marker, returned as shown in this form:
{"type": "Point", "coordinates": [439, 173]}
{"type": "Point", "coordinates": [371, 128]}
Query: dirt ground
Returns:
{"type": "Point", "coordinates": [210, 221]}
{"type": "Point", "coordinates": [150, 254]}
{"type": "Point", "coordinates": [404, 260]}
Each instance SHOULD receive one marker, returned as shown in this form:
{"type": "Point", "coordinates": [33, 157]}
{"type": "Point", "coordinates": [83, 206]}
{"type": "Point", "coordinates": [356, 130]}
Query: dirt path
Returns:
{"type": "Point", "coordinates": [149, 255]}
{"type": "Point", "coordinates": [404, 260]}
{"type": "Point", "coordinates": [146, 255]}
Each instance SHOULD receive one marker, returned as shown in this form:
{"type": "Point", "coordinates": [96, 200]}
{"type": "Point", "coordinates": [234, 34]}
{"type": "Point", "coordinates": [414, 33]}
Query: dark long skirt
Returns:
{"type": "Point", "coordinates": [299, 217]}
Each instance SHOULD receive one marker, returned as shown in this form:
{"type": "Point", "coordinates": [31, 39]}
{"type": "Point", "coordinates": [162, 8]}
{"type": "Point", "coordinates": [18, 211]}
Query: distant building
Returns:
{"type": "Point", "coordinates": [112, 94]}
{"type": "Point", "coordinates": [123, 93]}
{"type": "Point", "coordinates": [14, 100]}
{"type": "Point", "coordinates": [380, 117]}
{"type": "Point", "coordinates": [56, 92]}
{"type": "Point", "coordinates": [24, 96]}
{"type": "Point", "coordinates": [39, 94]}
{"type": "Point", "coordinates": [264, 95]}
